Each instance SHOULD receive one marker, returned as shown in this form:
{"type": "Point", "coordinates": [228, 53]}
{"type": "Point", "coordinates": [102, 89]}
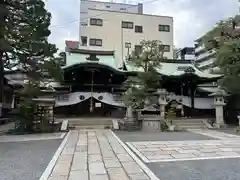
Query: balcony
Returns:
{"type": "Point", "coordinates": [205, 63]}
{"type": "Point", "coordinates": [205, 55]}
{"type": "Point", "coordinates": [199, 48]}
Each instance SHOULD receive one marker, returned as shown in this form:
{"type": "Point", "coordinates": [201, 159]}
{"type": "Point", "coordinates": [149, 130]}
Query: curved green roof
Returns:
{"type": "Point", "coordinates": [167, 68]}
{"type": "Point", "coordinates": [175, 68]}
{"type": "Point", "coordinates": [77, 58]}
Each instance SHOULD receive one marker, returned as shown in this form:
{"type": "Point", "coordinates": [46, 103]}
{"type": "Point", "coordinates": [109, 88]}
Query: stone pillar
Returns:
{"type": "Point", "coordinates": [130, 123]}
{"type": "Point", "coordinates": [129, 114]}
{"type": "Point", "coordinates": [162, 100]}
{"type": "Point", "coordinates": [219, 115]}
{"type": "Point", "coordinates": [219, 104]}
{"type": "Point", "coordinates": [162, 109]}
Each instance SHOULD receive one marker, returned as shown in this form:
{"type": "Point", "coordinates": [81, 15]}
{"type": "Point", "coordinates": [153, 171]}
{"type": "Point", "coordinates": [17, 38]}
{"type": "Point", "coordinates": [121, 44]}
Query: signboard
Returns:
{"type": "Point", "coordinates": [98, 105]}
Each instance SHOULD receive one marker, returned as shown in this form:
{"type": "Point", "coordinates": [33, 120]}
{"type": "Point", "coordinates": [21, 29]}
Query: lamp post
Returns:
{"type": "Point", "coordinates": [219, 104]}
{"type": "Point", "coordinates": [162, 100]}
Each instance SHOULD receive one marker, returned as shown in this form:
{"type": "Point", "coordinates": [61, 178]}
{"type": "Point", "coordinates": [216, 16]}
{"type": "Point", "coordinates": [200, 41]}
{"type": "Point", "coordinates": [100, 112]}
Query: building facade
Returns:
{"type": "Point", "coordinates": [108, 6]}
{"type": "Point", "coordinates": [122, 32]}
{"type": "Point", "coordinates": [204, 58]}
{"type": "Point", "coordinates": [186, 53]}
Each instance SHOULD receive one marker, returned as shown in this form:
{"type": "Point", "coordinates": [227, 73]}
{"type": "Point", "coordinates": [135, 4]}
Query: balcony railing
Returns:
{"type": "Point", "coordinates": [199, 48]}
{"type": "Point", "coordinates": [205, 63]}
{"type": "Point", "coordinates": [205, 55]}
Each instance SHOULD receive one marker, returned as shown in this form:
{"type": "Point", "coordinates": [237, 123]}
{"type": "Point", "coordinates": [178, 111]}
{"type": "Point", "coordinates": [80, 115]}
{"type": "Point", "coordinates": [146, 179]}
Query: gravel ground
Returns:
{"type": "Point", "coordinates": [220, 169]}
{"type": "Point", "coordinates": [160, 136]}
{"type": "Point", "coordinates": [26, 160]}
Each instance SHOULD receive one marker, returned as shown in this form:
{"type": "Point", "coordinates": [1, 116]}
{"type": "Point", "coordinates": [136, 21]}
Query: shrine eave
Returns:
{"type": "Point", "coordinates": [94, 64]}
{"type": "Point", "coordinates": [86, 51]}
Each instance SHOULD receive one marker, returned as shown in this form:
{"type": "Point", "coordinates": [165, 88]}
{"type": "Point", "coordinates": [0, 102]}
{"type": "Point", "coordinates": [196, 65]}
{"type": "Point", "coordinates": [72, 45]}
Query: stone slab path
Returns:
{"type": "Point", "coordinates": [96, 155]}
{"type": "Point", "coordinates": [214, 134]}
{"type": "Point", "coordinates": [164, 151]}
{"type": "Point", "coordinates": [31, 137]}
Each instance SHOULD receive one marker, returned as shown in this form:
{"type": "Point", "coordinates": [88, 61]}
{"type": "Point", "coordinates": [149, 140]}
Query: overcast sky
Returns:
{"type": "Point", "coordinates": [192, 18]}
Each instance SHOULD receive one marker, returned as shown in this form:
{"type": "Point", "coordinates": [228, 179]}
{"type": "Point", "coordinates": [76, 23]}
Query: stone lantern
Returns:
{"type": "Point", "coordinates": [219, 104]}
{"type": "Point", "coordinates": [162, 100]}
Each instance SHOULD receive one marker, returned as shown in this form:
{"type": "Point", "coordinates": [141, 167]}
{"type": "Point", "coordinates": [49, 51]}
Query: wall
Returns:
{"type": "Point", "coordinates": [114, 36]}
{"type": "Point", "coordinates": [108, 6]}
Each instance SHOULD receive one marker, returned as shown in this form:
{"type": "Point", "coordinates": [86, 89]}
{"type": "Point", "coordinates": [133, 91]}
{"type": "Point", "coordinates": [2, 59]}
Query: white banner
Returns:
{"type": "Point", "coordinates": [77, 97]}
{"type": "Point", "coordinates": [108, 98]}
{"type": "Point", "coordinates": [199, 103]}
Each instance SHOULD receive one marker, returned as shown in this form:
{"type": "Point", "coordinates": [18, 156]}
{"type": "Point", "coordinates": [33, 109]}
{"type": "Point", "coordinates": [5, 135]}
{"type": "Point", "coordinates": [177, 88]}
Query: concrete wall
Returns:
{"type": "Point", "coordinates": [114, 37]}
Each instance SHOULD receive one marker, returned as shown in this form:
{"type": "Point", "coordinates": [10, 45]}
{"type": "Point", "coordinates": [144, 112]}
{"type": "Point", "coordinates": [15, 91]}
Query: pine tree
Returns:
{"type": "Point", "coordinates": [26, 32]}
{"type": "Point", "coordinates": [148, 61]}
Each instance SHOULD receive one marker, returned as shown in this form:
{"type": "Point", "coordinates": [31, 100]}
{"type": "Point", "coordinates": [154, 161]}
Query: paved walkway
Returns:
{"type": "Point", "coordinates": [31, 137]}
{"type": "Point", "coordinates": [214, 134]}
{"type": "Point", "coordinates": [164, 151]}
{"type": "Point", "coordinates": [96, 155]}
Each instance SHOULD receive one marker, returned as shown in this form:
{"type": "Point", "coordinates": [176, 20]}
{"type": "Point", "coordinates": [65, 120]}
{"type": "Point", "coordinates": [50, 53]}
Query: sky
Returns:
{"type": "Point", "coordinates": [192, 18]}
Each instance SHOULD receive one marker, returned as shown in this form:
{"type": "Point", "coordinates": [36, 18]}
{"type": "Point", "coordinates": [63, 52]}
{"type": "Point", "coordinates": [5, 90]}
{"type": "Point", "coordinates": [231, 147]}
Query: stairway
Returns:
{"type": "Point", "coordinates": [189, 123]}
{"type": "Point", "coordinates": [90, 123]}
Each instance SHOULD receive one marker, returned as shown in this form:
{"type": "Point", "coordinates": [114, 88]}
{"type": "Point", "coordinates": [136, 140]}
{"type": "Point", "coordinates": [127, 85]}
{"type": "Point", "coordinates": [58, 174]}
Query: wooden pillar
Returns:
{"type": "Point", "coordinates": [192, 95]}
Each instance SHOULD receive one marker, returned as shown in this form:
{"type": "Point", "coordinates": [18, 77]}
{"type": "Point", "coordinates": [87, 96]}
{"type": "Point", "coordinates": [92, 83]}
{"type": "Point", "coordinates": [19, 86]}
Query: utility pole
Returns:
{"type": "Point", "coordinates": [3, 48]}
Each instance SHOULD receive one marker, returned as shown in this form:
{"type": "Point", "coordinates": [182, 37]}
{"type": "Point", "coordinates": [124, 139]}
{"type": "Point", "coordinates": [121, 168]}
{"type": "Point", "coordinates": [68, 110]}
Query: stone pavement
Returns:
{"type": "Point", "coordinates": [164, 151]}
{"type": "Point", "coordinates": [95, 155]}
{"type": "Point", "coordinates": [214, 134]}
{"type": "Point", "coordinates": [31, 137]}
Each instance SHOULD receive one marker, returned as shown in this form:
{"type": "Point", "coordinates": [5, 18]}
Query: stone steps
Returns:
{"type": "Point", "coordinates": [90, 123]}
{"type": "Point", "coordinates": [189, 124]}
{"type": "Point", "coordinates": [92, 127]}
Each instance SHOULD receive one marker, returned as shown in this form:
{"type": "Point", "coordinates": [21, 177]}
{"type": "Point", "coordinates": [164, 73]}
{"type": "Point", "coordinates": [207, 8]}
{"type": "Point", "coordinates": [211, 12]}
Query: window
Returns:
{"type": "Point", "coordinates": [165, 28]}
{"type": "Point", "coordinates": [128, 25]}
{"type": "Point", "coordinates": [83, 23]}
{"type": "Point", "coordinates": [95, 42]}
{"type": "Point", "coordinates": [84, 40]}
{"type": "Point", "coordinates": [96, 22]}
{"type": "Point", "coordinates": [138, 29]}
{"type": "Point", "coordinates": [166, 48]}
{"type": "Point", "coordinates": [122, 9]}
{"type": "Point", "coordinates": [107, 6]}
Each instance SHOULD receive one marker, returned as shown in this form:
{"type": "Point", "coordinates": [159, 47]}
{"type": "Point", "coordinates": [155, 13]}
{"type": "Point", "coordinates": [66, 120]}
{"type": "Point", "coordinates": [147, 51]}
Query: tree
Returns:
{"type": "Point", "coordinates": [147, 60]}
{"type": "Point", "coordinates": [225, 40]}
{"type": "Point", "coordinates": [26, 31]}
{"type": "Point", "coordinates": [24, 44]}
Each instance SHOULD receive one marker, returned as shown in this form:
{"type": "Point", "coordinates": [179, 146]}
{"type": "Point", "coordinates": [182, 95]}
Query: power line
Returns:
{"type": "Point", "coordinates": [77, 21]}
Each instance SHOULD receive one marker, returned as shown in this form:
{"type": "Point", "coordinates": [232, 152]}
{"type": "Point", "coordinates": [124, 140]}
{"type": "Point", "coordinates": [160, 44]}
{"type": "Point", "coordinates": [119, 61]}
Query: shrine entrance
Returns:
{"type": "Point", "coordinates": [90, 108]}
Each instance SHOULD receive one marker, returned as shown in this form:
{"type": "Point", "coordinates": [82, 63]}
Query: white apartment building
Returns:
{"type": "Point", "coordinates": [108, 6]}
{"type": "Point", "coordinates": [204, 59]}
{"type": "Point", "coordinates": [123, 31]}
{"type": "Point", "coordinates": [186, 53]}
